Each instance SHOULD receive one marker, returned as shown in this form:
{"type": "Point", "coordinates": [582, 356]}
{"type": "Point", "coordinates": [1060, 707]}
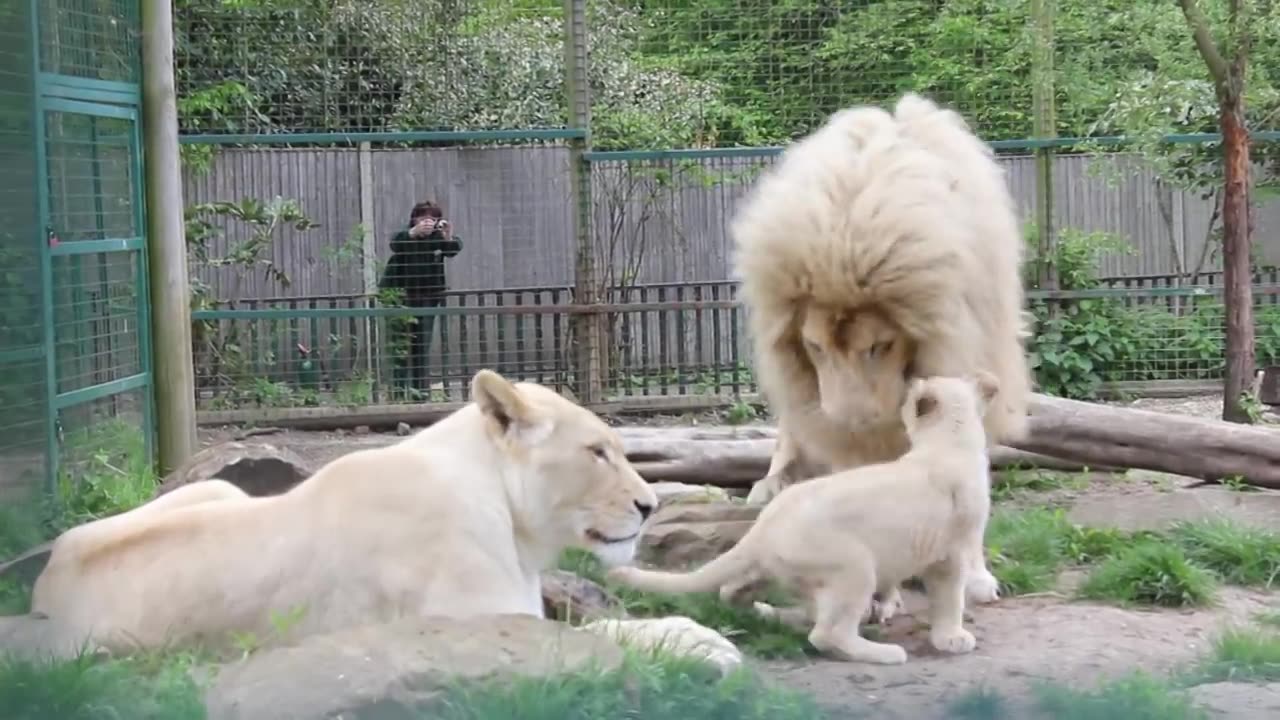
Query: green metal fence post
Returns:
{"type": "Point", "coordinates": [46, 261]}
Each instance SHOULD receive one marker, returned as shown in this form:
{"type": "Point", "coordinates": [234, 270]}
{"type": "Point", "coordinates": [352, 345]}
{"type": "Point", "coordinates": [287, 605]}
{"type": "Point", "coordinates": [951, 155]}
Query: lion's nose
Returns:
{"type": "Point", "coordinates": [645, 509]}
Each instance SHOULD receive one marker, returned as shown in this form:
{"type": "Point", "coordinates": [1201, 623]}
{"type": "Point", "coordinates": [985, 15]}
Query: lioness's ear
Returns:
{"type": "Point", "coordinates": [501, 401]}
{"type": "Point", "coordinates": [987, 385]}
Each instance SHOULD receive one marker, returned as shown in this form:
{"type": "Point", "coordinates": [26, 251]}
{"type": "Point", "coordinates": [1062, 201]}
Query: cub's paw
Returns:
{"type": "Point", "coordinates": [982, 587]}
{"type": "Point", "coordinates": [956, 641]}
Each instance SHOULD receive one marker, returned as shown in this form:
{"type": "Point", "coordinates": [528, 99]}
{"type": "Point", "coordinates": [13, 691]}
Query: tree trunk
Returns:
{"type": "Point", "coordinates": [1065, 435]}
{"type": "Point", "coordinates": [1236, 276]}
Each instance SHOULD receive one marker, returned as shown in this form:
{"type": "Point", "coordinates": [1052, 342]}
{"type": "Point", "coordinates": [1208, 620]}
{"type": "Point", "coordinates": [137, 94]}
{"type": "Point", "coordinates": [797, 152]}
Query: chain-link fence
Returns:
{"type": "Point", "coordinates": [594, 253]}
{"type": "Point", "coordinates": [74, 325]}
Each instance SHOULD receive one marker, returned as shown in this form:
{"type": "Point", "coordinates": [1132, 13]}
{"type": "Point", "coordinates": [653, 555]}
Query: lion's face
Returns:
{"type": "Point", "coordinates": [860, 360]}
{"type": "Point", "coordinates": [573, 460]}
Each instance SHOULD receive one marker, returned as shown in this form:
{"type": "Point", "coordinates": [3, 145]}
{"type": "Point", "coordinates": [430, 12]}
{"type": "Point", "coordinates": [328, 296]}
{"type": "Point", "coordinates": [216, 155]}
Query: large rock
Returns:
{"type": "Point", "coordinates": [683, 534]}
{"type": "Point", "coordinates": [256, 468]}
{"type": "Point", "coordinates": [1238, 699]}
{"type": "Point", "coordinates": [571, 598]}
{"type": "Point", "coordinates": [380, 670]}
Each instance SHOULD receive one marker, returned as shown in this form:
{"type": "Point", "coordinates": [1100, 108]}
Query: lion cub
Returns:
{"type": "Point", "coordinates": [839, 538]}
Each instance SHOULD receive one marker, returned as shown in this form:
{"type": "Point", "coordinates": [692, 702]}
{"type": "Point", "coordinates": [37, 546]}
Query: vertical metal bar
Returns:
{"type": "Point", "coordinates": [142, 268]}
{"type": "Point", "coordinates": [46, 259]}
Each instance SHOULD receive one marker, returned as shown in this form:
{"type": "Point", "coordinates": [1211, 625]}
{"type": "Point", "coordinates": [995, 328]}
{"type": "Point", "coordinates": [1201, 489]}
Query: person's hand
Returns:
{"type": "Point", "coordinates": [423, 228]}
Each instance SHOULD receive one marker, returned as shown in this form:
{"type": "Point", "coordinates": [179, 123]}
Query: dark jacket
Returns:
{"type": "Point", "coordinates": [417, 264]}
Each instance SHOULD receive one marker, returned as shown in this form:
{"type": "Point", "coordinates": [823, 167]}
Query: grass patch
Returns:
{"type": "Point", "coordinates": [87, 689]}
{"type": "Point", "coordinates": [978, 704]}
{"type": "Point", "coordinates": [1238, 554]}
{"type": "Point", "coordinates": [759, 636]}
{"type": "Point", "coordinates": [1017, 481]}
{"type": "Point", "coordinates": [1243, 655]}
{"type": "Point", "coordinates": [1027, 549]}
{"type": "Point", "coordinates": [644, 687]}
{"type": "Point", "coordinates": [1136, 697]}
{"type": "Point", "coordinates": [1150, 573]}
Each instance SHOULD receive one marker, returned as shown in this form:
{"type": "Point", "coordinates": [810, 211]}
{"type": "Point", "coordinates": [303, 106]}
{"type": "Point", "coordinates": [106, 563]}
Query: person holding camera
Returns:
{"type": "Point", "coordinates": [416, 269]}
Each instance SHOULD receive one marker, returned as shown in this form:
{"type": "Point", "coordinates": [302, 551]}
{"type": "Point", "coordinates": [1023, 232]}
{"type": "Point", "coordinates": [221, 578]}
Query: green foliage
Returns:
{"type": "Point", "coordinates": [1150, 573]}
{"type": "Point", "coordinates": [1137, 696]}
{"type": "Point", "coordinates": [85, 688]}
{"type": "Point", "coordinates": [643, 688]}
{"type": "Point", "coordinates": [681, 74]}
{"type": "Point", "coordinates": [1240, 654]}
{"type": "Point", "coordinates": [1238, 554]}
{"type": "Point", "coordinates": [1027, 549]}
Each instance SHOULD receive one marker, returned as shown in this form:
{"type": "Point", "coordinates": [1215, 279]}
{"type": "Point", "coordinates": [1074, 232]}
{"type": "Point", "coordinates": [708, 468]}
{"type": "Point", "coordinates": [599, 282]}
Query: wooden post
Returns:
{"type": "Point", "coordinates": [586, 326]}
{"type": "Point", "coordinates": [1044, 128]}
{"type": "Point", "coordinates": [174, 376]}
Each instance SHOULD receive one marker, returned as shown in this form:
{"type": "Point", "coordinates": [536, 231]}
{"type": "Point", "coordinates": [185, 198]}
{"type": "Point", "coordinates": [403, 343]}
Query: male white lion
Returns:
{"type": "Point", "coordinates": [458, 521]}
{"type": "Point", "coordinates": [838, 538]}
{"type": "Point", "coordinates": [881, 247]}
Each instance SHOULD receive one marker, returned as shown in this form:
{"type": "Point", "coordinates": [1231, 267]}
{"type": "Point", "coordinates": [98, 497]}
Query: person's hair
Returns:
{"type": "Point", "coordinates": [425, 209]}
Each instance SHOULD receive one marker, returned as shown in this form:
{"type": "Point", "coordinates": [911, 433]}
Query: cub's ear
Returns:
{"type": "Point", "coordinates": [926, 402]}
{"type": "Point", "coordinates": [501, 402]}
{"type": "Point", "coordinates": [987, 385]}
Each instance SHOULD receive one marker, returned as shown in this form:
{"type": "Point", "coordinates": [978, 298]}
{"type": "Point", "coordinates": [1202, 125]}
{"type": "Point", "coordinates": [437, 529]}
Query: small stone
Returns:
{"type": "Point", "coordinates": [361, 430]}
{"type": "Point", "coordinates": [403, 429]}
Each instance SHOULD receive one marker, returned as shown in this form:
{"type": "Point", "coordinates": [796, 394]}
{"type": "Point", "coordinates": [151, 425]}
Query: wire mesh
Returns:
{"type": "Point", "coordinates": [23, 402]}
{"type": "Point", "coordinates": [91, 175]}
{"type": "Point", "coordinates": [94, 39]}
{"type": "Point", "coordinates": [346, 65]}
{"type": "Point", "coordinates": [96, 319]}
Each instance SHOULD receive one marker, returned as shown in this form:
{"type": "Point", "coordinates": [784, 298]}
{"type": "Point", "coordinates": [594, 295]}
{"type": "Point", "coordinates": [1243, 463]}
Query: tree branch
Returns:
{"type": "Point", "coordinates": [1219, 70]}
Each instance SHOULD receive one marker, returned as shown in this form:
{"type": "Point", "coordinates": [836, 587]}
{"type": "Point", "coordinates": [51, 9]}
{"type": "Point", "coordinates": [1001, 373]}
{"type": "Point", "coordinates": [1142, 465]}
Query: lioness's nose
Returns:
{"type": "Point", "coordinates": [645, 509]}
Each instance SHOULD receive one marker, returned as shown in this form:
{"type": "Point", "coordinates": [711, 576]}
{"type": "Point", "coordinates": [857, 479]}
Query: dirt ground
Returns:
{"type": "Point", "coordinates": [1020, 640]}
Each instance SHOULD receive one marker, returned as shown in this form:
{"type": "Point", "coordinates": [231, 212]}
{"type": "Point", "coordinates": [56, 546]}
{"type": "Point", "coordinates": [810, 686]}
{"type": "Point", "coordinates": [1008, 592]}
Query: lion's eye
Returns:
{"type": "Point", "coordinates": [878, 350]}
{"type": "Point", "coordinates": [599, 452]}
{"type": "Point", "coordinates": [812, 347]}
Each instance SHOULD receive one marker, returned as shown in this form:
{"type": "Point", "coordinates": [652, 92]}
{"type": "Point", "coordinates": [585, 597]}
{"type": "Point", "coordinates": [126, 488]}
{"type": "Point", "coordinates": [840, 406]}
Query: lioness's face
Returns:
{"type": "Point", "coordinates": [860, 360]}
{"type": "Point", "coordinates": [576, 462]}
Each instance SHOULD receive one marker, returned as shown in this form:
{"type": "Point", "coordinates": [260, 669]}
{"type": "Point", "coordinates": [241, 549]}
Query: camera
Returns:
{"type": "Point", "coordinates": [441, 224]}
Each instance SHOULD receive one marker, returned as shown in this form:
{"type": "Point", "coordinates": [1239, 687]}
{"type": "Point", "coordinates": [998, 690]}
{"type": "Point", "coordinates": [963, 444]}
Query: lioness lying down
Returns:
{"type": "Point", "coordinates": [839, 538]}
{"type": "Point", "coordinates": [458, 520]}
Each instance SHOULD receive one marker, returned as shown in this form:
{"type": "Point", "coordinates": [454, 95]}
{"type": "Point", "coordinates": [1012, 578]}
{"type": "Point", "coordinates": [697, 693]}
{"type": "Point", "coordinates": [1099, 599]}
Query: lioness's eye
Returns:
{"type": "Point", "coordinates": [878, 349]}
{"type": "Point", "coordinates": [599, 452]}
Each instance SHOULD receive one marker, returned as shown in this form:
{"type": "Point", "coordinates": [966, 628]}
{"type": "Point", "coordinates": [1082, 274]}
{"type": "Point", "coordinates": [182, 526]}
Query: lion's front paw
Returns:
{"type": "Point", "coordinates": [676, 635]}
{"type": "Point", "coordinates": [982, 587]}
{"type": "Point", "coordinates": [954, 641]}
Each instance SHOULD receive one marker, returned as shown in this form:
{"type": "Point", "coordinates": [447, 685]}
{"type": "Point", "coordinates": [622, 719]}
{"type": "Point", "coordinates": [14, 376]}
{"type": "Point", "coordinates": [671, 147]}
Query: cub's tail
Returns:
{"type": "Point", "coordinates": [734, 564]}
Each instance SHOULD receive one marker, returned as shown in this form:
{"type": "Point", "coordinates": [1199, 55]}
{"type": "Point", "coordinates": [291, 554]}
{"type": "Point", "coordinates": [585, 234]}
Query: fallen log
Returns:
{"type": "Point", "coordinates": [1123, 437]}
{"type": "Point", "coordinates": [737, 457]}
